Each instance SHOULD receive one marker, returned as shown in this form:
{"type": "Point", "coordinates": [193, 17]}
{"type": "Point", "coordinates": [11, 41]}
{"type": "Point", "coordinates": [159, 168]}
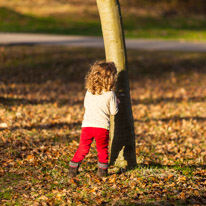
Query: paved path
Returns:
{"type": "Point", "coordinates": [83, 41]}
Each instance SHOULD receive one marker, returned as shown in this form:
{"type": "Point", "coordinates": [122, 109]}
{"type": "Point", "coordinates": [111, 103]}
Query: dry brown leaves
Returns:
{"type": "Point", "coordinates": [40, 124]}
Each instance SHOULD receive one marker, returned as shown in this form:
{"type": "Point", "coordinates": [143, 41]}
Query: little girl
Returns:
{"type": "Point", "coordinates": [100, 102]}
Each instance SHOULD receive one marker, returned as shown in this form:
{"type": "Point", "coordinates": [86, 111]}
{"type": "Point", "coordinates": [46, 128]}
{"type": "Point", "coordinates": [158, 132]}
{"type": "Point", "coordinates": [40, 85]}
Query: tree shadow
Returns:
{"type": "Point", "coordinates": [8, 101]}
{"type": "Point", "coordinates": [156, 65]}
{"type": "Point", "coordinates": [155, 165]}
{"type": "Point", "coordinates": [148, 101]}
{"type": "Point", "coordinates": [171, 201]}
{"type": "Point", "coordinates": [173, 119]}
{"type": "Point", "coordinates": [40, 65]}
{"type": "Point", "coordinates": [45, 126]}
{"type": "Point", "coordinates": [191, 200]}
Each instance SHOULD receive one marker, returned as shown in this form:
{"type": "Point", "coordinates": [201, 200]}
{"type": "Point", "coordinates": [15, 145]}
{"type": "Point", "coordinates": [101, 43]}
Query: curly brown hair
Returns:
{"type": "Point", "coordinates": [101, 77]}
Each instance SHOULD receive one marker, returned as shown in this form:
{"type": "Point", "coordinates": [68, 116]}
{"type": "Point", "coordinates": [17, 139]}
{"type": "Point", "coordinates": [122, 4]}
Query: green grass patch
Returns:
{"type": "Point", "coordinates": [12, 21]}
{"type": "Point", "coordinates": [7, 195]}
{"type": "Point", "coordinates": [175, 27]}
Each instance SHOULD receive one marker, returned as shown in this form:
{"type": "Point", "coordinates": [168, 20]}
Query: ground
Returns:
{"type": "Point", "coordinates": [41, 109]}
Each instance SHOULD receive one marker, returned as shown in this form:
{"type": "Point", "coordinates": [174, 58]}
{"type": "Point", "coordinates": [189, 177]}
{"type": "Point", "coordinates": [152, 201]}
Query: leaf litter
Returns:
{"type": "Point", "coordinates": [40, 123]}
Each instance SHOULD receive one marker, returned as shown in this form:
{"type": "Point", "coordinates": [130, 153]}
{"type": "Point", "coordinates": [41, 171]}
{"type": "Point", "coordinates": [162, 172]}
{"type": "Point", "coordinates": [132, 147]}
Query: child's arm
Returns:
{"type": "Point", "coordinates": [113, 104]}
{"type": "Point", "coordinates": [85, 100]}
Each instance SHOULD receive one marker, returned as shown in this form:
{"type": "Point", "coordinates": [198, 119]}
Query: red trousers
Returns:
{"type": "Point", "coordinates": [101, 136]}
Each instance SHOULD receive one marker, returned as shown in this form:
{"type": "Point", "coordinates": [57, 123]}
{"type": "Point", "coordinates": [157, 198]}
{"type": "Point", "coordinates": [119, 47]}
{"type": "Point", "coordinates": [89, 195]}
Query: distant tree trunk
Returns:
{"type": "Point", "coordinates": [122, 137]}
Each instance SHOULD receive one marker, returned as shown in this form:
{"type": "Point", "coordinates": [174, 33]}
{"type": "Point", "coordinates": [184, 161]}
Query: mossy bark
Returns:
{"type": "Point", "coordinates": [122, 137]}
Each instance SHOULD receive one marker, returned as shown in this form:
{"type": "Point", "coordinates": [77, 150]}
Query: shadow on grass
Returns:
{"type": "Point", "coordinates": [191, 200]}
{"type": "Point", "coordinates": [8, 101]}
{"type": "Point", "coordinates": [23, 101]}
{"type": "Point", "coordinates": [156, 65]}
{"type": "Point", "coordinates": [40, 64]}
{"type": "Point", "coordinates": [173, 119]}
{"type": "Point", "coordinates": [148, 101]}
{"type": "Point", "coordinates": [45, 126]}
{"type": "Point", "coordinates": [25, 66]}
{"type": "Point", "coordinates": [155, 165]}
{"type": "Point", "coordinates": [167, 200]}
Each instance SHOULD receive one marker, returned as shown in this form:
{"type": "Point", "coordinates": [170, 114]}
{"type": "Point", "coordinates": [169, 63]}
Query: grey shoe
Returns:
{"type": "Point", "coordinates": [102, 172]}
{"type": "Point", "coordinates": [73, 171]}
{"type": "Point", "coordinates": [73, 168]}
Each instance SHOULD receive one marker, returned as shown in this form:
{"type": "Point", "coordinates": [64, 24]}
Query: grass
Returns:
{"type": "Point", "coordinates": [78, 19]}
{"type": "Point", "coordinates": [42, 91]}
{"type": "Point", "coordinates": [177, 27]}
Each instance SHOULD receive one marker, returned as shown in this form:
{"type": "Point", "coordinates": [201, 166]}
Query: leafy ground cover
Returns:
{"type": "Point", "coordinates": [62, 17]}
{"type": "Point", "coordinates": [41, 97]}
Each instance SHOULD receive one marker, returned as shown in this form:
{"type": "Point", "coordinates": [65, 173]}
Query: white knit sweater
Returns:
{"type": "Point", "coordinates": [98, 109]}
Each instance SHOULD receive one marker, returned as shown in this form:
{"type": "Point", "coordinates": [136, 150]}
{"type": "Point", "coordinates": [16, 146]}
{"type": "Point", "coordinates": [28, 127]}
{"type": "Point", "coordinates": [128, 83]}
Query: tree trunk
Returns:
{"type": "Point", "coordinates": [122, 137]}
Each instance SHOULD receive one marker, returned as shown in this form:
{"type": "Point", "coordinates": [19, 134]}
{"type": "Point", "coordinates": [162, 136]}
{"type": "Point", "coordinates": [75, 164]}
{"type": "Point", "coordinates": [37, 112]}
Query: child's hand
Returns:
{"type": "Point", "coordinates": [118, 101]}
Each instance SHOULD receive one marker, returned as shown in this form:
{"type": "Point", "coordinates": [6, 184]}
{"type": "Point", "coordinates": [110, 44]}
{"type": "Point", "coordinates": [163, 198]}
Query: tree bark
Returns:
{"type": "Point", "coordinates": [122, 136]}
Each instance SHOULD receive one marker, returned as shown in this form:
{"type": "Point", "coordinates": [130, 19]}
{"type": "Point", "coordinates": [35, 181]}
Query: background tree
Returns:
{"type": "Point", "coordinates": [122, 136]}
